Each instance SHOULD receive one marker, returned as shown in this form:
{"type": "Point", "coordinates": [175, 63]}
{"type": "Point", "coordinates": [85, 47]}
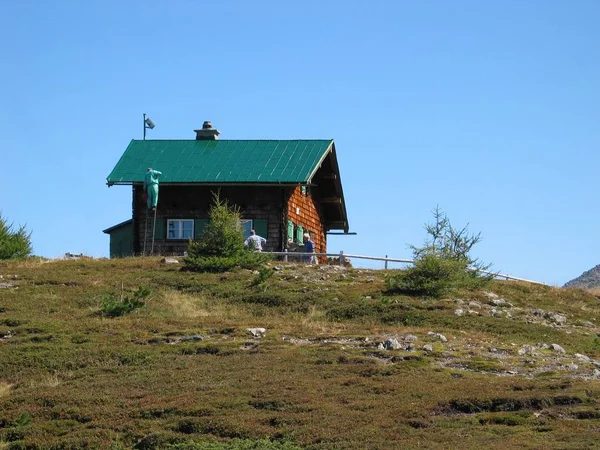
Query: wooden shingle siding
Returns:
{"type": "Point", "coordinates": [310, 217]}
{"type": "Point", "coordinates": [194, 202]}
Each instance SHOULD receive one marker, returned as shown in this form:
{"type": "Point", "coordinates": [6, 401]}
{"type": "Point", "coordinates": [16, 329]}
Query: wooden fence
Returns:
{"type": "Point", "coordinates": [298, 256]}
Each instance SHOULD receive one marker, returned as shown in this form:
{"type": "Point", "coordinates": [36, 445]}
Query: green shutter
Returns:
{"type": "Point", "coordinates": [299, 233]}
{"type": "Point", "coordinates": [199, 226]}
{"type": "Point", "coordinates": [290, 232]}
{"type": "Point", "coordinates": [160, 231]}
{"type": "Point", "coordinates": [261, 228]}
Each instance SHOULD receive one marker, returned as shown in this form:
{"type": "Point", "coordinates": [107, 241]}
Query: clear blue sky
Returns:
{"type": "Point", "coordinates": [490, 110]}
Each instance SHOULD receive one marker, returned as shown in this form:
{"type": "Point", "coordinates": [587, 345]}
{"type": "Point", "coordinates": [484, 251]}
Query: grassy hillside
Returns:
{"type": "Point", "coordinates": [478, 370]}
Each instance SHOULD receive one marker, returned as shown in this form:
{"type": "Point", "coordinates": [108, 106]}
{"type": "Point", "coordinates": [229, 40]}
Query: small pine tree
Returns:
{"type": "Point", "coordinates": [14, 244]}
{"type": "Point", "coordinates": [443, 263]}
{"type": "Point", "coordinates": [221, 246]}
{"type": "Point", "coordinates": [223, 235]}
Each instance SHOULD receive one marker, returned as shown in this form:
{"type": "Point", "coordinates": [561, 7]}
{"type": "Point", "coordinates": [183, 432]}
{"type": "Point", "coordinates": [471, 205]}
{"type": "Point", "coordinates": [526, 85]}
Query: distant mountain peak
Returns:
{"type": "Point", "coordinates": [587, 280]}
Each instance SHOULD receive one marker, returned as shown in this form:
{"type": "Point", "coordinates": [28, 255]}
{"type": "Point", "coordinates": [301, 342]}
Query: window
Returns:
{"type": "Point", "coordinates": [299, 234]}
{"type": "Point", "coordinates": [180, 229]}
{"type": "Point", "coordinates": [246, 225]}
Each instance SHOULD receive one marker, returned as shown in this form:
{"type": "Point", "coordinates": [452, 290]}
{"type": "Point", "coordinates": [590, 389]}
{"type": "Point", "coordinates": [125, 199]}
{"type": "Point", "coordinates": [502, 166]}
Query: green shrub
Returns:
{"type": "Point", "coordinates": [14, 244]}
{"type": "Point", "coordinates": [434, 276]}
{"type": "Point", "coordinates": [217, 264]}
{"type": "Point", "coordinates": [113, 307]}
{"type": "Point", "coordinates": [443, 264]}
{"type": "Point", "coordinates": [221, 246]}
{"type": "Point", "coordinates": [223, 235]}
{"type": "Point", "coordinates": [236, 444]}
{"type": "Point", "coordinates": [264, 273]}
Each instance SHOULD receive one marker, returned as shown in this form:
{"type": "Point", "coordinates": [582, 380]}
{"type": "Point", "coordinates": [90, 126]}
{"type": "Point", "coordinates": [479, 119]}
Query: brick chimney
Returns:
{"type": "Point", "coordinates": [207, 133]}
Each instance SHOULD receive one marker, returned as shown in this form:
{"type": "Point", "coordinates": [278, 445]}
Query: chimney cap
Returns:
{"type": "Point", "coordinates": [207, 132]}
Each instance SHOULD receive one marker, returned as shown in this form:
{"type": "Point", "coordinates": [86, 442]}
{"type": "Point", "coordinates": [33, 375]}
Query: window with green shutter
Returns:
{"type": "Point", "coordinates": [199, 226]}
{"type": "Point", "coordinates": [290, 231]}
{"type": "Point", "coordinates": [261, 227]}
{"type": "Point", "coordinates": [160, 231]}
{"type": "Point", "coordinates": [299, 233]}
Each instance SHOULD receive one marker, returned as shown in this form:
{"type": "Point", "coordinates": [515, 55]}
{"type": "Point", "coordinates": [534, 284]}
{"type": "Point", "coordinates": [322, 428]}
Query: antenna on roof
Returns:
{"type": "Point", "coordinates": [147, 124]}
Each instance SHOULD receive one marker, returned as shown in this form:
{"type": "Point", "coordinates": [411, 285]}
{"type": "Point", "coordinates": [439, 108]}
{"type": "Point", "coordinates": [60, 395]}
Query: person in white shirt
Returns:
{"type": "Point", "coordinates": [255, 242]}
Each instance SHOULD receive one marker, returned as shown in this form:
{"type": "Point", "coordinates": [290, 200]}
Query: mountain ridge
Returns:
{"type": "Point", "coordinates": [587, 280]}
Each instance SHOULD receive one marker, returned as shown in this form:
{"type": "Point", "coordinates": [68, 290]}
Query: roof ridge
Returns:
{"type": "Point", "coordinates": [229, 140]}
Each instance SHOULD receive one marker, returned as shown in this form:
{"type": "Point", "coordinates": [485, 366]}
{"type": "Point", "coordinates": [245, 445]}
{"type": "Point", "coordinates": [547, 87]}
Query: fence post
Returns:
{"type": "Point", "coordinates": [341, 257]}
{"type": "Point", "coordinates": [386, 262]}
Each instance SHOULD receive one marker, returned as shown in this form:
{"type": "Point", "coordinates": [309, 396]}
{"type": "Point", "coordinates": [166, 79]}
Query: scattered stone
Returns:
{"type": "Point", "coordinates": [6, 334]}
{"type": "Point", "coordinates": [559, 319]}
{"type": "Point", "coordinates": [428, 348]}
{"type": "Point", "coordinates": [490, 295]}
{"type": "Point", "coordinates": [512, 372]}
{"type": "Point", "coordinates": [527, 350]}
{"type": "Point", "coordinates": [581, 357]}
{"type": "Point", "coordinates": [411, 347]}
{"type": "Point", "coordinates": [256, 332]}
{"type": "Point", "coordinates": [588, 324]}
{"type": "Point", "coordinates": [278, 268]}
{"type": "Point", "coordinates": [7, 285]}
{"type": "Point", "coordinates": [571, 367]}
{"type": "Point", "coordinates": [557, 348]}
{"type": "Point", "coordinates": [459, 312]}
{"type": "Point", "coordinates": [390, 344]}
{"type": "Point", "coordinates": [475, 305]}
{"type": "Point", "coordinates": [500, 302]}
{"type": "Point", "coordinates": [169, 261]}
{"type": "Point", "coordinates": [438, 336]}
{"type": "Point", "coordinates": [410, 338]}
{"type": "Point", "coordinates": [459, 301]}
{"type": "Point", "coordinates": [543, 346]}
{"type": "Point", "coordinates": [73, 256]}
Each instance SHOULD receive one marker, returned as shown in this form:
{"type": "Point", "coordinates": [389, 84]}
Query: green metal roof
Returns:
{"type": "Point", "coordinates": [221, 161]}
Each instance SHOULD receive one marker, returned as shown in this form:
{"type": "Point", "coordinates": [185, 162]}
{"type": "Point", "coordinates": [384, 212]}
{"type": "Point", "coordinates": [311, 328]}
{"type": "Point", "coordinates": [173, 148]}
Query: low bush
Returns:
{"type": "Point", "coordinates": [113, 307]}
{"type": "Point", "coordinates": [217, 264]}
{"type": "Point", "coordinates": [443, 264]}
{"type": "Point", "coordinates": [236, 444]}
{"type": "Point", "coordinates": [434, 276]}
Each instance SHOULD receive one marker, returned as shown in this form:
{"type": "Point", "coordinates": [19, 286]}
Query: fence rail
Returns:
{"type": "Point", "coordinates": [343, 256]}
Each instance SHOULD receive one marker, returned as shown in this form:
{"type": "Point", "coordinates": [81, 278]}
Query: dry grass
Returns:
{"type": "Point", "coordinates": [185, 305]}
{"type": "Point", "coordinates": [139, 380]}
{"type": "Point", "coordinates": [5, 389]}
{"type": "Point", "coordinates": [51, 380]}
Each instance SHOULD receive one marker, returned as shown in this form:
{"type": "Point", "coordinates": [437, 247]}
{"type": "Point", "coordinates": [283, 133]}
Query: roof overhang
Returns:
{"type": "Point", "coordinates": [117, 226]}
{"type": "Point", "coordinates": [330, 193]}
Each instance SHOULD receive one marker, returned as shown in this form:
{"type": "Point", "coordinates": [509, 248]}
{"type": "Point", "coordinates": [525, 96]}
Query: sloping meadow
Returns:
{"type": "Point", "coordinates": [314, 357]}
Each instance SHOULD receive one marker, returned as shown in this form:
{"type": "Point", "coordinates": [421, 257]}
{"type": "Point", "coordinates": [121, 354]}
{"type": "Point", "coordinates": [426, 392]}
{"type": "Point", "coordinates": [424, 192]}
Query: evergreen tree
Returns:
{"type": "Point", "coordinates": [14, 244]}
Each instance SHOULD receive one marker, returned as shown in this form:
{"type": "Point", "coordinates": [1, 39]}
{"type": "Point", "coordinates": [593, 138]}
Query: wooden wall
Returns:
{"type": "Point", "coordinates": [309, 215]}
{"type": "Point", "coordinates": [193, 202]}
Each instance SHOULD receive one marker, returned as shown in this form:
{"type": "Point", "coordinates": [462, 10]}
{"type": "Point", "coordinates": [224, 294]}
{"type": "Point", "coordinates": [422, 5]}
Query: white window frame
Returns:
{"type": "Point", "coordinates": [179, 228]}
{"type": "Point", "coordinates": [244, 226]}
